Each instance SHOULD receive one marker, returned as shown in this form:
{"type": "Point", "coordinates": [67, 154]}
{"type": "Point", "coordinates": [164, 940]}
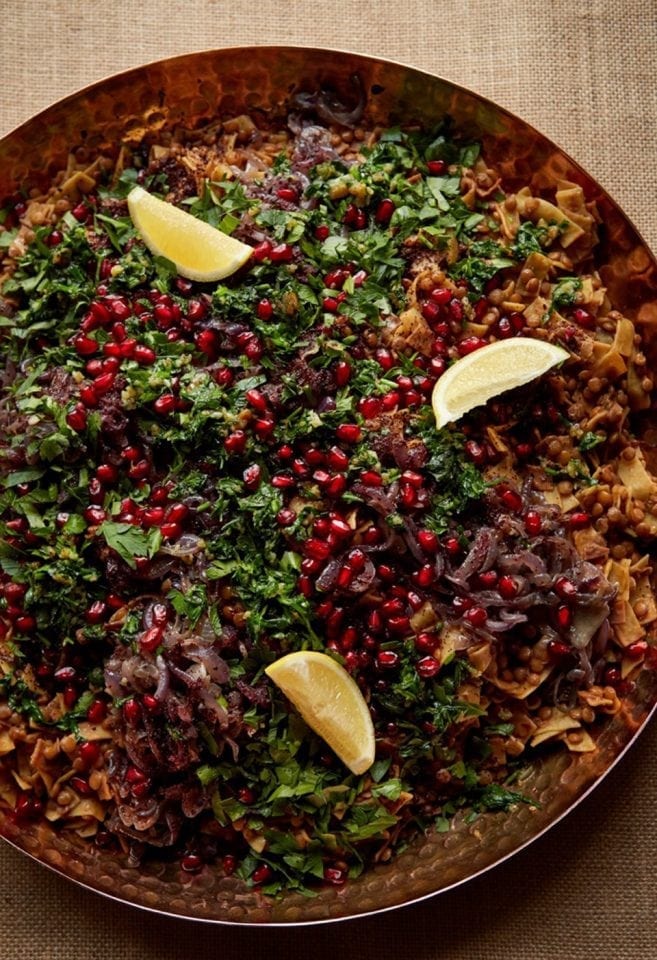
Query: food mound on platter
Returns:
{"type": "Point", "coordinates": [326, 507]}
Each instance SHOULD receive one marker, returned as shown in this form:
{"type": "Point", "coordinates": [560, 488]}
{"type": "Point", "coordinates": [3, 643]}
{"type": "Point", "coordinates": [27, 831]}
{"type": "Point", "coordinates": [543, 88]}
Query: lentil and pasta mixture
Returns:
{"type": "Point", "coordinates": [197, 479]}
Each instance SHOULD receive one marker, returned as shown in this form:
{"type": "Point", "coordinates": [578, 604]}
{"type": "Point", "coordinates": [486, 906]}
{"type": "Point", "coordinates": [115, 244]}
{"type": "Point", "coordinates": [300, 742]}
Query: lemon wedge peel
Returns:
{"type": "Point", "coordinates": [490, 371]}
{"type": "Point", "coordinates": [330, 702]}
{"type": "Point", "coordinates": [198, 250]}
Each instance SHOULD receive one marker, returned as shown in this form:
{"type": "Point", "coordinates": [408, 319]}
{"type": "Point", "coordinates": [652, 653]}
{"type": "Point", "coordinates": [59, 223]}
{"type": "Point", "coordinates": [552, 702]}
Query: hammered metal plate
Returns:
{"type": "Point", "coordinates": [188, 91]}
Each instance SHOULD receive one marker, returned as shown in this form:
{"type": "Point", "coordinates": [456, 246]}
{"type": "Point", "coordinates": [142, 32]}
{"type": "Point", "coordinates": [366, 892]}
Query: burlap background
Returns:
{"type": "Point", "coordinates": [582, 72]}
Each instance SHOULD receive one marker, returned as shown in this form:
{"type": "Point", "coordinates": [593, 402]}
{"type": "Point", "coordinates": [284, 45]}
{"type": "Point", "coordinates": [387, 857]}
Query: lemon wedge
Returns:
{"type": "Point", "coordinates": [330, 702]}
{"type": "Point", "coordinates": [199, 251]}
{"type": "Point", "coordinates": [489, 371]}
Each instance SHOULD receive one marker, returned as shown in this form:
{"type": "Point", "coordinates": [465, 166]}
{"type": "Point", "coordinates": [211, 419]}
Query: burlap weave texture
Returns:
{"type": "Point", "coordinates": [585, 75]}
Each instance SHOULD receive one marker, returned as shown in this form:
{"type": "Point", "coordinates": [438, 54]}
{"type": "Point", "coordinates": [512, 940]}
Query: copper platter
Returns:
{"type": "Point", "coordinates": [193, 88]}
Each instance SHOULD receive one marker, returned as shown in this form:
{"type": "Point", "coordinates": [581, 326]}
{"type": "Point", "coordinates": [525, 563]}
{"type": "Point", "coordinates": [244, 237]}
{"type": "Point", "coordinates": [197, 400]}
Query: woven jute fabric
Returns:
{"type": "Point", "coordinates": [583, 73]}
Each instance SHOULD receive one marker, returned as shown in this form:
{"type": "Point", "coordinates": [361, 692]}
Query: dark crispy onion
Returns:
{"type": "Point", "coordinates": [324, 104]}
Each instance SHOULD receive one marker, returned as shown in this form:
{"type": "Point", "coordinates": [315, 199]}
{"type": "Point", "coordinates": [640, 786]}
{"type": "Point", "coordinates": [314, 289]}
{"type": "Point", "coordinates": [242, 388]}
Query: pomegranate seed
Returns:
{"type": "Point", "coordinates": [89, 752]}
{"type": "Point", "coordinates": [223, 376]}
{"type": "Point", "coordinates": [159, 495]}
{"type": "Point", "coordinates": [139, 470]}
{"type": "Point", "coordinates": [428, 541]}
{"type": "Point", "coordinates": [384, 358]}
{"type": "Point", "coordinates": [104, 383]}
{"type": "Point", "coordinates": [384, 212]}
{"type": "Point", "coordinates": [264, 427]}
{"type": "Point", "coordinates": [517, 321]}
{"type": "Point", "coordinates": [436, 167]}
{"type": "Point", "coordinates": [81, 786]}
{"type": "Point", "coordinates": [504, 328]}
{"type": "Point", "coordinates": [256, 400]}
{"type": "Point", "coordinates": [637, 650]}
{"type": "Point", "coordinates": [427, 667]}
{"type": "Point", "coordinates": [94, 367]}
{"type": "Point", "coordinates": [191, 863]}
{"type": "Point", "coordinates": [426, 642]}
{"type": "Point", "coordinates": [612, 675]}
{"type": "Point", "coordinates": [171, 530]}
{"type": "Point", "coordinates": [165, 404]}
{"type": "Point", "coordinates": [337, 459]}
{"type": "Point", "coordinates": [369, 407]}
{"type": "Point", "coordinates": [344, 577]}
{"type": "Point", "coordinates": [143, 355]}
{"type": "Point", "coordinates": [25, 624]}
{"type": "Point", "coordinates": [330, 304]}
{"type": "Point", "coordinates": [390, 401]}
{"type": "Point", "coordinates": [119, 308]}
{"type": "Point", "coordinates": [477, 616]}
{"type": "Point", "coordinates": [262, 874]}
{"type": "Point", "coordinates": [321, 477]}
{"type": "Point", "coordinates": [316, 549]}
{"type": "Point", "coordinates": [128, 348]}
{"type": "Point", "coordinates": [131, 711]}
{"type": "Point", "coordinates": [196, 310]}
{"type": "Point", "coordinates": [14, 592]}
{"type": "Point", "coordinates": [425, 576]}
{"type": "Point", "coordinates": [107, 473]}
{"type": "Point", "coordinates": [151, 703]}
{"type": "Point", "coordinates": [399, 625]}
{"type": "Point", "coordinates": [283, 481]}
{"type": "Point", "coordinates": [177, 512]}
{"type": "Point", "coordinates": [150, 640]}
{"type": "Point", "coordinates": [511, 500]}
{"type": "Point", "coordinates": [565, 588]}
{"type": "Point", "coordinates": [349, 433]}
{"type": "Point", "coordinates": [70, 697]}
{"type": "Point", "coordinates": [322, 232]}
{"type": "Point", "coordinates": [339, 527]}
{"type": "Point", "coordinates": [583, 318]}
{"type": "Point", "coordinates": [229, 864]}
{"type": "Point", "coordinates": [285, 517]}
{"type": "Point", "coordinates": [533, 523]}
{"type": "Point", "coordinates": [437, 366]}
{"type": "Point", "coordinates": [430, 312]}
{"type": "Point", "coordinates": [300, 468]}
{"type": "Point", "coordinates": [235, 442]}
{"type": "Point", "coordinates": [88, 396]}
{"type": "Point", "coordinates": [252, 477]}
{"type": "Point", "coordinates": [579, 520]}
{"type": "Point", "coordinates": [342, 373]}
{"type": "Point", "coordinates": [524, 450]}
{"type": "Point", "coordinates": [281, 253]}
{"type": "Point", "coordinates": [408, 495]}
{"type": "Point", "coordinates": [453, 546]}
{"type": "Point", "coordinates": [558, 650]}
{"type": "Point", "coordinates": [207, 342]}
{"type": "Point", "coordinates": [84, 346]}
{"type": "Point", "coordinates": [507, 586]}
{"type": "Point", "coordinates": [335, 279]}
{"type": "Point", "coordinates": [97, 711]}
{"type": "Point", "coordinates": [456, 312]}
{"type": "Point", "coordinates": [387, 659]}
{"type": "Point", "coordinates": [253, 349]}
{"type": "Point", "coordinates": [461, 604]}
{"type": "Point", "coordinates": [441, 295]}
{"type": "Point", "coordinates": [152, 516]}
{"type": "Point", "coordinates": [96, 612]}
{"type": "Point", "coordinates": [94, 515]}
{"type": "Point", "coordinates": [563, 617]}
{"type": "Point", "coordinates": [265, 309]}
{"type": "Point", "coordinates": [262, 251]}
{"type": "Point", "coordinates": [288, 194]}
{"type": "Point", "coordinates": [469, 345]}
{"type": "Point", "coordinates": [475, 452]}
{"type": "Point", "coordinates": [80, 211]}
{"type": "Point", "coordinates": [371, 478]}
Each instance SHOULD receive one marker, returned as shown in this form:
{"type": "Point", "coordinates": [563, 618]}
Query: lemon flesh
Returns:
{"type": "Point", "coordinates": [199, 251]}
{"type": "Point", "coordinates": [490, 371]}
{"type": "Point", "coordinates": [330, 702]}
